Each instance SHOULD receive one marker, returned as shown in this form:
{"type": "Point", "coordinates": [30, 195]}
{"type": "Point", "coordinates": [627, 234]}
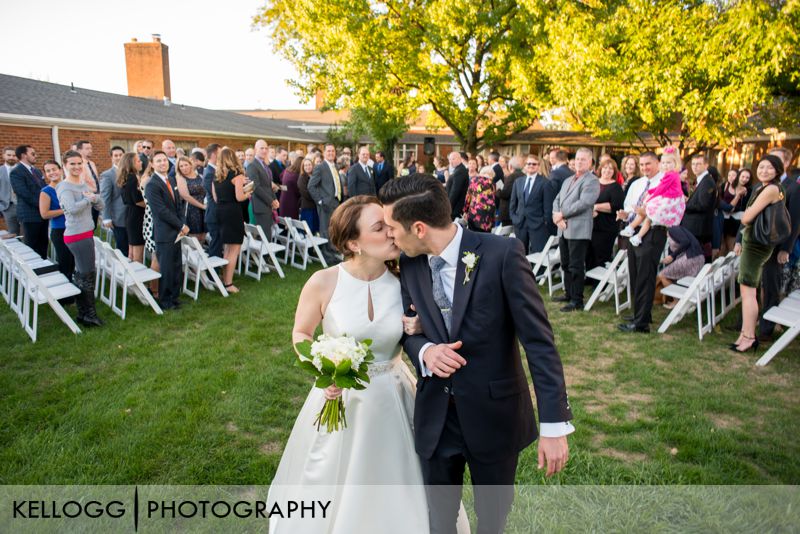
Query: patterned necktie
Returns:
{"type": "Point", "coordinates": [439, 294]}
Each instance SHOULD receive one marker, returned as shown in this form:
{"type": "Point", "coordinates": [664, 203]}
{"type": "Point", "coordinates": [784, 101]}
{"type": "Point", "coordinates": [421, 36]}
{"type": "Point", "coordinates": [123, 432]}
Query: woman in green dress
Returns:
{"type": "Point", "coordinates": [754, 255]}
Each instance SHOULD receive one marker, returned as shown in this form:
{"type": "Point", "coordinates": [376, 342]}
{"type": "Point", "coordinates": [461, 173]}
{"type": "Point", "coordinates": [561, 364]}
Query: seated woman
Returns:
{"type": "Point", "coordinates": [664, 202]}
{"type": "Point", "coordinates": [685, 258]}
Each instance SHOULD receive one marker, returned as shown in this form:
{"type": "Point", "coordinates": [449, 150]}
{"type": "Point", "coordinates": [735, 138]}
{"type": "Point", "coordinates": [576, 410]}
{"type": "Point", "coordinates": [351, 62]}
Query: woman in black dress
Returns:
{"type": "Point", "coordinates": [606, 225]}
{"type": "Point", "coordinates": [228, 190]}
{"type": "Point", "coordinates": [130, 167]}
{"type": "Point", "coordinates": [190, 187]}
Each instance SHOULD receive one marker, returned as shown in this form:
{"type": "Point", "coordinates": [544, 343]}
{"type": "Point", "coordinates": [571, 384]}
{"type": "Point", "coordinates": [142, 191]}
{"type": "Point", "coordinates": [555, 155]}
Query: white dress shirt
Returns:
{"type": "Point", "coordinates": [448, 274]}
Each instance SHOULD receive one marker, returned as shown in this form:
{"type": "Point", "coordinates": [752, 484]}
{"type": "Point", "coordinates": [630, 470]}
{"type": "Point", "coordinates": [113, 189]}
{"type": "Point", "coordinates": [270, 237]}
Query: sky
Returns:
{"type": "Point", "coordinates": [216, 60]}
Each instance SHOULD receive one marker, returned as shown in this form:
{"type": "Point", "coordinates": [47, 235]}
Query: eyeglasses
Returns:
{"type": "Point", "coordinates": [144, 147]}
{"type": "Point", "coordinates": [532, 163]}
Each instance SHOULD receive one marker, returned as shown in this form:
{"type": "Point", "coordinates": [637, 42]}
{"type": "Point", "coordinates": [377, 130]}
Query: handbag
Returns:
{"type": "Point", "coordinates": [773, 225]}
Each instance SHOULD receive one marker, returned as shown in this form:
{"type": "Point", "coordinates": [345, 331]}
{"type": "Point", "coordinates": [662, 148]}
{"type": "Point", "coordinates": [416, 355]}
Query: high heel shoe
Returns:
{"type": "Point", "coordinates": [735, 344]}
{"type": "Point", "coordinates": [754, 345]}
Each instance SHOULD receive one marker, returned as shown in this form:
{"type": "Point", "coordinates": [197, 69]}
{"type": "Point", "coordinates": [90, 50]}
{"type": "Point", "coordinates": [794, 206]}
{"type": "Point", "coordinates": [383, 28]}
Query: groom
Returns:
{"type": "Point", "coordinates": [473, 405]}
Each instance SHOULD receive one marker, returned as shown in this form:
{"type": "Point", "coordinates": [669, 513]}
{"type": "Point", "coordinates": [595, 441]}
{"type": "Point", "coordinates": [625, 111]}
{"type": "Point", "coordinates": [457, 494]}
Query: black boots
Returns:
{"type": "Point", "coordinates": [87, 315]}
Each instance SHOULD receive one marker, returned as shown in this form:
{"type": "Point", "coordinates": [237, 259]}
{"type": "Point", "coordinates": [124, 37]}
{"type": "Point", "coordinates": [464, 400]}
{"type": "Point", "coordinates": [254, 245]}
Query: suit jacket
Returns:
{"type": "Point", "coordinates": [359, 182]}
{"type": "Point", "coordinates": [557, 177]}
{"type": "Point", "coordinates": [576, 203]}
{"type": "Point", "coordinates": [384, 172]}
{"type": "Point", "coordinates": [504, 195]}
{"type": "Point", "coordinates": [6, 191]}
{"type": "Point", "coordinates": [167, 213]}
{"type": "Point", "coordinates": [699, 215]}
{"type": "Point", "coordinates": [276, 169]}
{"type": "Point", "coordinates": [113, 206]}
{"type": "Point", "coordinates": [792, 190]}
{"type": "Point", "coordinates": [537, 213]}
{"type": "Point", "coordinates": [322, 189]}
{"type": "Point", "coordinates": [456, 188]}
{"type": "Point", "coordinates": [262, 195]}
{"type": "Point", "coordinates": [210, 216]}
{"type": "Point", "coordinates": [27, 188]}
{"type": "Point", "coordinates": [491, 391]}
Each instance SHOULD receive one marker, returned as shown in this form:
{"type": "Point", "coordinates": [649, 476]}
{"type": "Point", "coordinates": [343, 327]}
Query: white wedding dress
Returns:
{"type": "Point", "coordinates": [369, 471]}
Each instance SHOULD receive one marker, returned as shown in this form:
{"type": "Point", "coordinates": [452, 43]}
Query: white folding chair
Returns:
{"type": "Point", "coordinates": [787, 314]}
{"type": "Point", "coordinates": [199, 267]}
{"type": "Point", "coordinates": [258, 246]}
{"type": "Point", "coordinates": [550, 259]}
{"type": "Point", "coordinates": [303, 242]}
{"type": "Point", "coordinates": [36, 292]}
{"type": "Point", "coordinates": [612, 280]}
{"type": "Point", "coordinates": [503, 230]}
{"type": "Point", "coordinates": [698, 295]}
{"type": "Point", "coordinates": [128, 277]}
{"type": "Point", "coordinates": [282, 235]}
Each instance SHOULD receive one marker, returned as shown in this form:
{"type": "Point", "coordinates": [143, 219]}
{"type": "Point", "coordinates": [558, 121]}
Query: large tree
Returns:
{"type": "Point", "coordinates": [472, 63]}
{"type": "Point", "coordinates": [691, 72]}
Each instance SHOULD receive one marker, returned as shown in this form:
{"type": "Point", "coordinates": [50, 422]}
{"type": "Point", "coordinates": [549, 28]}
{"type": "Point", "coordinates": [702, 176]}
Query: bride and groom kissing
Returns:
{"type": "Point", "coordinates": [409, 441]}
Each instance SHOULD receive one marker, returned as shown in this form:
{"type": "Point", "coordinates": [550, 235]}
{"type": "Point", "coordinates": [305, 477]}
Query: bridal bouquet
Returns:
{"type": "Point", "coordinates": [340, 361]}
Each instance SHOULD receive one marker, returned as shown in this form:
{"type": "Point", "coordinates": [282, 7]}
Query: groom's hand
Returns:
{"type": "Point", "coordinates": [443, 360]}
{"type": "Point", "coordinates": [554, 452]}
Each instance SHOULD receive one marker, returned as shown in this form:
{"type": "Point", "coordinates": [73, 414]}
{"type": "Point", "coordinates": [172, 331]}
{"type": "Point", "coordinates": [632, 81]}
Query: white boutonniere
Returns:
{"type": "Point", "coordinates": [470, 259]}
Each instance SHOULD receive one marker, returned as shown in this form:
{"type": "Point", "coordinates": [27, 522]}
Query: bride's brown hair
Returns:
{"type": "Point", "coordinates": [343, 227]}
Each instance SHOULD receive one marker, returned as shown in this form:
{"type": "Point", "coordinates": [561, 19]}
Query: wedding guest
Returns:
{"type": "Point", "coordinates": [211, 221]}
{"type": "Point", "coordinates": [457, 183]}
{"type": "Point", "coordinates": [90, 173]}
{"type": "Point", "coordinates": [27, 183]}
{"type": "Point", "coordinates": [473, 166]}
{"type": "Point", "coordinates": [290, 199]}
{"type": "Point", "coordinates": [384, 170]}
{"type": "Point", "coordinates": [190, 187]}
{"type": "Point", "coordinates": [494, 163]}
{"type": "Point", "coordinates": [506, 187]}
{"type": "Point", "coordinates": [754, 255]}
{"type": "Point", "coordinates": [147, 228]}
{"type": "Point", "coordinates": [249, 156]}
{"type": "Point", "coordinates": [114, 212]}
{"type": "Point", "coordinates": [573, 208]}
{"type": "Point", "coordinates": [505, 164]}
{"type": "Point", "coordinates": [734, 195]}
{"type": "Point", "coordinates": [410, 163]}
{"type": "Point", "coordinates": [168, 223]}
{"type": "Point", "coordinates": [77, 200]}
{"type": "Point", "coordinates": [439, 168]}
{"type": "Point", "coordinates": [50, 210]}
{"type": "Point", "coordinates": [559, 169]}
{"type": "Point", "coordinates": [630, 171]}
{"type": "Point", "coordinates": [685, 181]}
{"type": "Point", "coordinates": [685, 258]}
{"type": "Point", "coordinates": [169, 148]}
{"type": "Point", "coordinates": [360, 176]}
{"type": "Point", "coordinates": [699, 215]}
{"type": "Point", "coordinates": [605, 227]}
{"type": "Point", "coordinates": [228, 191]}
{"type": "Point", "coordinates": [277, 165]}
{"type": "Point", "coordinates": [8, 199]}
{"type": "Point", "coordinates": [198, 159]}
{"type": "Point", "coordinates": [480, 162]}
{"type": "Point", "coordinates": [308, 208]}
{"type": "Point", "coordinates": [147, 151]}
{"type": "Point", "coordinates": [263, 200]}
{"type": "Point", "coordinates": [130, 167]}
{"type": "Point", "coordinates": [479, 207]}
{"type": "Point", "coordinates": [531, 206]}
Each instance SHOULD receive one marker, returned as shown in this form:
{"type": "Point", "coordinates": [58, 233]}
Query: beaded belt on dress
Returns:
{"type": "Point", "coordinates": [377, 368]}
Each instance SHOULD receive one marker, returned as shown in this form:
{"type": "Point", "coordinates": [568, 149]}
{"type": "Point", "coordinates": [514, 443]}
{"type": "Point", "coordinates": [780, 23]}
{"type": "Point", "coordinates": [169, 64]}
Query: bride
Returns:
{"type": "Point", "coordinates": [368, 471]}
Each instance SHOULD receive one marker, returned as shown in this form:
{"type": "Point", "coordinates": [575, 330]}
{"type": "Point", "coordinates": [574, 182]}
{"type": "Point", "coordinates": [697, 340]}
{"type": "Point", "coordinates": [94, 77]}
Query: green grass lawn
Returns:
{"type": "Point", "coordinates": [208, 395]}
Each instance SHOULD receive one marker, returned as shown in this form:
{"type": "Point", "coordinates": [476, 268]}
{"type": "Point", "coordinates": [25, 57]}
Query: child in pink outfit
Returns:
{"type": "Point", "coordinates": [664, 204]}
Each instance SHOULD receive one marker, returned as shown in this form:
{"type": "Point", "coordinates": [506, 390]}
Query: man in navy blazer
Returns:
{"type": "Point", "coordinates": [531, 207]}
{"type": "Point", "coordinates": [27, 182]}
{"type": "Point", "coordinates": [457, 184]}
{"type": "Point", "coordinates": [168, 223]}
{"type": "Point", "coordinates": [384, 170]}
{"type": "Point", "coordinates": [473, 406]}
{"type": "Point", "coordinates": [215, 248]}
{"type": "Point", "coordinates": [559, 168]}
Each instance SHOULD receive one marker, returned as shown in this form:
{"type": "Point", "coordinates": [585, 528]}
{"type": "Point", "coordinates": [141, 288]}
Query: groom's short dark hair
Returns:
{"type": "Point", "coordinates": [418, 197]}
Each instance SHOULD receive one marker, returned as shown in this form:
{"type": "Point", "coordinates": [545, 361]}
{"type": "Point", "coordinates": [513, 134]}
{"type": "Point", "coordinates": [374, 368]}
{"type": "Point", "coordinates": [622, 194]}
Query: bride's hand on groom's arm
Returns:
{"type": "Point", "coordinates": [553, 452]}
{"type": "Point", "coordinates": [443, 360]}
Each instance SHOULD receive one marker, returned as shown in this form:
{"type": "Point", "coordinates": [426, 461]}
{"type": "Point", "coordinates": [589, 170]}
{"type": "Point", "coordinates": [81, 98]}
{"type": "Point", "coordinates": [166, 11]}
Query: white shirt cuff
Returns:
{"type": "Point", "coordinates": [425, 371]}
{"type": "Point", "coordinates": [555, 430]}
{"type": "Point", "coordinates": [106, 221]}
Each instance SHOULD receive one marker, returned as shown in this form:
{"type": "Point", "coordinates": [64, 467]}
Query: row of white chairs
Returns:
{"type": "Point", "coordinates": [24, 290]}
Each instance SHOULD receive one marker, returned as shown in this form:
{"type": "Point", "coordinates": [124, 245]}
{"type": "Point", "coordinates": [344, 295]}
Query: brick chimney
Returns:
{"type": "Point", "coordinates": [147, 65]}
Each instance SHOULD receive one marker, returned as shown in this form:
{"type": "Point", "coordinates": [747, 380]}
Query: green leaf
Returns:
{"type": "Point", "coordinates": [359, 387]}
{"type": "Point", "coordinates": [344, 382]}
{"type": "Point", "coordinates": [323, 382]}
{"type": "Point", "coordinates": [328, 367]}
{"type": "Point", "coordinates": [362, 376]}
{"type": "Point", "coordinates": [304, 348]}
{"type": "Point", "coordinates": [308, 367]}
{"type": "Point", "coordinates": [343, 368]}
{"type": "Point", "coordinates": [367, 342]}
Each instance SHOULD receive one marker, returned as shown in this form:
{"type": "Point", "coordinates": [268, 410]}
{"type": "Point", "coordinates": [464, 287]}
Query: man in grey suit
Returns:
{"type": "Point", "coordinates": [325, 188]}
{"type": "Point", "coordinates": [263, 199]}
{"type": "Point", "coordinates": [532, 206]}
{"type": "Point", "coordinates": [360, 177]}
{"type": "Point", "coordinates": [114, 210]}
{"type": "Point", "coordinates": [8, 200]}
{"type": "Point", "coordinates": [573, 211]}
